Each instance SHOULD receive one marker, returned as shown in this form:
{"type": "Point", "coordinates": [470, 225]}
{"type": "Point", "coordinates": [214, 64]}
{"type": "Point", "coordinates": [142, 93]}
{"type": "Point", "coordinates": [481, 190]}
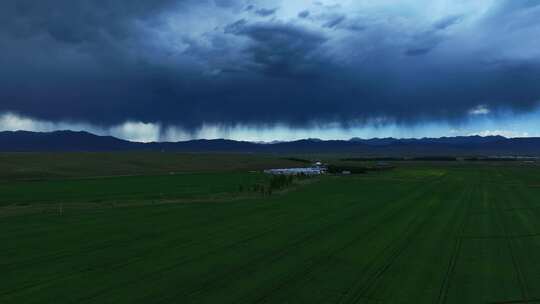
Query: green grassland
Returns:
{"type": "Point", "coordinates": [125, 188]}
{"type": "Point", "coordinates": [421, 233]}
{"type": "Point", "coordinates": [36, 166]}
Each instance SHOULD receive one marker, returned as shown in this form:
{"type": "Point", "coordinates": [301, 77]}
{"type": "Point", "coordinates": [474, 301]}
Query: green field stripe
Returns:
{"type": "Point", "coordinates": [123, 188]}
{"type": "Point", "coordinates": [205, 221]}
{"type": "Point", "coordinates": [527, 246]}
{"type": "Point", "coordinates": [172, 269]}
{"type": "Point", "coordinates": [371, 269]}
{"type": "Point", "coordinates": [528, 251]}
{"type": "Point", "coordinates": [388, 255]}
{"type": "Point", "coordinates": [193, 259]}
{"type": "Point", "coordinates": [419, 251]}
{"type": "Point", "coordinates": [317, 215]}
{"type": "Point", "coordinates": [276, 255]}
{"type": "Point", "coordinates": [500, 200]}
{"type": "Point", "coordinates": [313, 265]}
{"type": "Point", "coordinates": [443, 291]}
{"type": "Point", "coordinates": [272, 256]}
{"type": "Point", "coordinates": [485, 270]}
{"type": "Point", "coordinates": [531, 301]}
{"type": "Point", "coordinates": [322, 262]}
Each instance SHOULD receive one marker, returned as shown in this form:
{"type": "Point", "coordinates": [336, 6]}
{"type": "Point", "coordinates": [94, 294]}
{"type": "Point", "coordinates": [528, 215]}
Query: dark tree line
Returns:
{"type": "Point", "coordinates": [275, 183]}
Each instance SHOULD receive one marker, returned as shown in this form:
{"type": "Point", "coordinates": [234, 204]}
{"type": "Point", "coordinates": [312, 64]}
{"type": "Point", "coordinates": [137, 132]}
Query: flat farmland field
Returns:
{"type": "Point", "coordinates": [452, 232]}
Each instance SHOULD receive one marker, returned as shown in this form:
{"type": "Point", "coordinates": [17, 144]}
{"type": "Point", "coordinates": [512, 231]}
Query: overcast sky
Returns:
{"type": "Point", "coordinates": [271, 70]}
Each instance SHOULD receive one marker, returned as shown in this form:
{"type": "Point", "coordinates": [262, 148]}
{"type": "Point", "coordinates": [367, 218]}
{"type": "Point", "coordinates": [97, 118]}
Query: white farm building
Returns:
{"type": "Point", "coordinates": [297, 171]}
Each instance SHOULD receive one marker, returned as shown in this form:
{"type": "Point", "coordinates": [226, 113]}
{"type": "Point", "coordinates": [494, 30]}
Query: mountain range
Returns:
{"type": "Point", "coordinates": [71, 141]}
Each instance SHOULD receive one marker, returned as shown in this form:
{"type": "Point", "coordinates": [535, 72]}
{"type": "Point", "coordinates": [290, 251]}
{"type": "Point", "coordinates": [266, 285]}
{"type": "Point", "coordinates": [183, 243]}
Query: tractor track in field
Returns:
{"type": "Point", "coordinates": [317, 263]}
{"type": "Point", "coordinates": [358, 289]}
{"type": "Point", "coordinates": [521, 278]}
{"type": "Point", "coordinates": [139, 258]}
{"type": "Point", "coordinates": [217, 250]}
{"type": "Point", "coordinates": [398, 250]}
{"type": "Point", "coordinates": [131, 261]}
{"type": "Point", "coordinates": [512, 236]}
{"type": "Point", "coordinates": [60, 277]}
{"type": "Point", "coordinates": [92, 248]}
{"type": "Point", "coordinates": [522, 208]}
{"type": "Point", "coordinates": [276, 255]}
{"type": "Point", "coordinates": [445, 285]}
{"type": "Point", "coordinates": [530, 301]}
{"type": "Point", "coordinates": [66, 253]}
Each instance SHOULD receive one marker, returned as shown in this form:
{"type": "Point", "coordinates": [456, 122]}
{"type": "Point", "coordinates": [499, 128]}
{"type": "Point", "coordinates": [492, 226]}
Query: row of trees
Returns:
{"type": "Point", "coordinates": [275, 183]}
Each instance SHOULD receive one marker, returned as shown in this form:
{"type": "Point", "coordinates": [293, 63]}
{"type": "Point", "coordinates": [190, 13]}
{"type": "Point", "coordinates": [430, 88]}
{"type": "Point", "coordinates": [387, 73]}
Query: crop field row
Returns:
{"type": "Point", "coordinates": [424, 234]}
{"type": "Point", "coordinates": [124, 188]}
{"type": "Point", "coordinates": [42, 166]}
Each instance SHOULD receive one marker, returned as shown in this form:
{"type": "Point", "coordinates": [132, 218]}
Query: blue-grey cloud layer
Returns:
{"type": "Point", "coordinates": [187, 62]}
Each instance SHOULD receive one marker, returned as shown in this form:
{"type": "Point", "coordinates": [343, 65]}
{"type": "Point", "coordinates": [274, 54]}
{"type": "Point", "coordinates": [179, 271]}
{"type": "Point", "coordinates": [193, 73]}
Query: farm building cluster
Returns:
{"type": "Point", "coordinates": [317, 169]}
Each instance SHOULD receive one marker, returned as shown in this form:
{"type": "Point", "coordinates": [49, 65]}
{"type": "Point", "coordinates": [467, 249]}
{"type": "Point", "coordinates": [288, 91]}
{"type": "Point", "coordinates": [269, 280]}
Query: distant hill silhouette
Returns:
{"type": "Point", "coordinates": [70, 141]}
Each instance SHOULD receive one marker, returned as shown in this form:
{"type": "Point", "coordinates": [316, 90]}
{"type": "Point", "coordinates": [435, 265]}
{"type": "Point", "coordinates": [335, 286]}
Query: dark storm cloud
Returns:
{"type": "Point", "coordinates": [265, 12]}
{"type": "Point", "coordinates": [425, 41]}
{"type": "Point", "coordinates": [226, 3]}
{"type": "Point", "coordinates": [447, 22]}
{"type": "Point", "coordinates": [334, 21]}
{"type": "Point", "coordinates": [78, 21]}
{"type": "Point", "coordinates": [188, 63]}
{"type": "Point", "coordinates": [417, 52]}
{"type": "Point", "coordinates": [280, 50]}
{"type": "Point", "coordinates": [303, 14]}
